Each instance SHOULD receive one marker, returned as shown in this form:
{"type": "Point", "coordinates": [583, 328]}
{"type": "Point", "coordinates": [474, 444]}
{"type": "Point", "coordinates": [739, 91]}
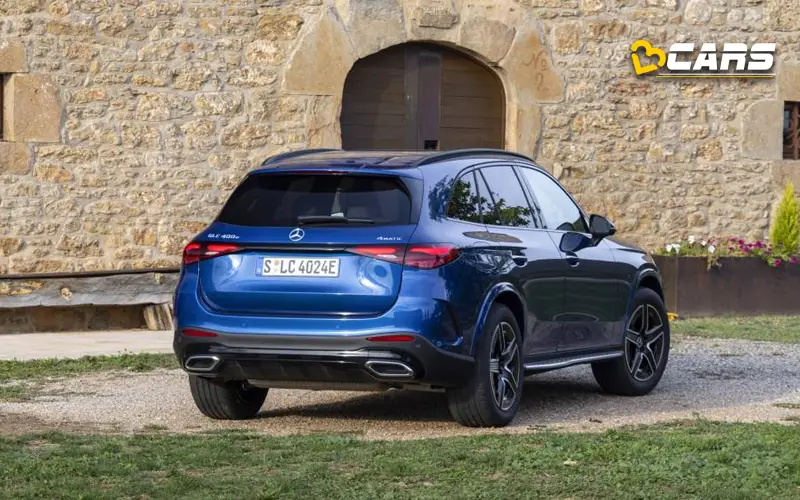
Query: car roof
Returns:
{"type": "Point", "coordinates": [323, 158]}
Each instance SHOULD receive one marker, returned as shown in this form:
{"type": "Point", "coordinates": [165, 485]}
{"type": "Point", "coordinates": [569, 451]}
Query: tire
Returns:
{"type": "Point", "coordinates": [475, 404]}
{"type": "Point", "coordinates": [617, 376]}
{"type": "Point", "coordinates": [226, 400]}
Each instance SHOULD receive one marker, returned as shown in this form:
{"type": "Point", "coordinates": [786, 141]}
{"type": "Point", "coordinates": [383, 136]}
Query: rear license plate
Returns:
{"type": "Point", "coordinates": [308, 268]}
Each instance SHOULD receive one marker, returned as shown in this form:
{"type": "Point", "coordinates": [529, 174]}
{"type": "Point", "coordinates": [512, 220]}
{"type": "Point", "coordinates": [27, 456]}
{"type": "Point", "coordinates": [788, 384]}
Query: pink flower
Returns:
{"type": "Point", "coordinates": [746, 250]}
{"type": "Point", "coordinates": [759, 244]}
{"type": "Point", "coordinates": [793, 260]}
{"type": "Point", "coordinates": [777, 262]}
{"type": "Point", "coordinates": [730, 249]}
{"type": "Point", "coordinates": [731, 239]}
{"type": "Point", "coordinates": [741, 242]}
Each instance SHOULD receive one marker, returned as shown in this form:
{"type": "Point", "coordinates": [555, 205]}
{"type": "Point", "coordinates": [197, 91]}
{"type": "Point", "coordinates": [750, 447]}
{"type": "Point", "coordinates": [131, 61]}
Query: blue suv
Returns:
{"type": "Point", "coordinates": [460, 272]}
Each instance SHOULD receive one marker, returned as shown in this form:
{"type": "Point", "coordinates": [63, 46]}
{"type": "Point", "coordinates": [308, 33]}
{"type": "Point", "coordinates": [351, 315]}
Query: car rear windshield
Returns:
{"type": "Point", "coordinates": [288, 199]}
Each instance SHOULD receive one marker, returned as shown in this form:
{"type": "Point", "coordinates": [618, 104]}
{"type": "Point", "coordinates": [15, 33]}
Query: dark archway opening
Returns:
{"type": "Point", "coordinates": [422, 96]}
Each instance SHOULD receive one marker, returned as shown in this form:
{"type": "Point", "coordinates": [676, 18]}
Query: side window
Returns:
{"type": "Point", "coordinates": [558, 209]}
{"type": "Point", "coordinates": [511, 205]}
{"type": "Point", "coordinates": [464, 200]}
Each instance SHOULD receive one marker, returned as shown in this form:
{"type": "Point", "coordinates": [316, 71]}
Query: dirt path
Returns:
{"type": "Point", "coordinates": [721, 380]}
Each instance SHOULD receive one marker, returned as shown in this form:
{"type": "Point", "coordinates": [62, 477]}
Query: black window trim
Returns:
{"type": "Point", "coordinates": [538, 222]}
{"type": "Point", "coordinates": [533, 196]}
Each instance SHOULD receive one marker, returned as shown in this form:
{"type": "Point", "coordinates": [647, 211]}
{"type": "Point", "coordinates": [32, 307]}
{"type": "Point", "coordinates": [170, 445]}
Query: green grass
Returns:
{"type": "Point", "coordinates": [19, 379]}
{"type": "Point", "coordinates": [689, 460]}
{"type": "Point", "coordinates": [784, 329]}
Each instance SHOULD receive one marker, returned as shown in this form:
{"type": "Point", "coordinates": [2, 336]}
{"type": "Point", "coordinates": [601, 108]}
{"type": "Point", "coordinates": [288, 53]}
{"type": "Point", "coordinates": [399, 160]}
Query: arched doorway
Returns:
{"type": "Point", "coordinates": [422, 96]}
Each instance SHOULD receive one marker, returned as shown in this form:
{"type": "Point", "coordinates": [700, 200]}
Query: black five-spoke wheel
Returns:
{"type": "Point", "coordinates": [492, 395]}
{"type": "Point", "coordinates": [644, 342]}
{"type": "Point", "coordinates": [505, 365]}
{"type": "Point", "coordinates": [645, 346]}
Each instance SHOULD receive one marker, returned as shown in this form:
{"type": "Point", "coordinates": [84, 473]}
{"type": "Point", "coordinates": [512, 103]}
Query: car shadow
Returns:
{"type": "Point", "coordinates": [432, 407]}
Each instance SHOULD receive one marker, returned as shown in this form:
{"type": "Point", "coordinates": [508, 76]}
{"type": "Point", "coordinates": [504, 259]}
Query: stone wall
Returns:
{"type": "Point", "coordinates": [131, 120]}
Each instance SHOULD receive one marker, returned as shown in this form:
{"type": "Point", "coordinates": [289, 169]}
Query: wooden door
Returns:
{"type": "Point", "coordinates": [421, 96]}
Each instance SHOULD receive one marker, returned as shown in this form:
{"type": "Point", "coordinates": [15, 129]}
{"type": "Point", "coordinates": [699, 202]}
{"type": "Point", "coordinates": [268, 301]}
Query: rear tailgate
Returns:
{"type": "Point", "coordinates": [283, 266]}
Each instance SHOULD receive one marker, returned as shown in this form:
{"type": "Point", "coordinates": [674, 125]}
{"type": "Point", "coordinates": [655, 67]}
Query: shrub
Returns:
{"type": "Point", "coordinates": [785, 232]}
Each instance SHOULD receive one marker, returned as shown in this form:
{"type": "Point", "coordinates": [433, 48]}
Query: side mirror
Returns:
{"type": "Point", "coordinates": [572, 242]}
{"type": "Point", "coordinates": [600, 227]}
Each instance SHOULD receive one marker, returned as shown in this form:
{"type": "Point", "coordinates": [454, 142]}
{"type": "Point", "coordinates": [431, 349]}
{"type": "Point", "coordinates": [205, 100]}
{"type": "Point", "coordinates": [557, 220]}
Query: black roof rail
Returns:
{"type": "Point", "coordinates": [299, 152]}
{"type": "Point", "coordinates": [458, 153]}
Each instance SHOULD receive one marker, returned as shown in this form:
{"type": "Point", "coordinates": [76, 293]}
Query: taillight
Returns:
{"type": "Point", "coordinates": [191, 332]}
{"type": "Point", "coordinates": [430, 256]}
{"type": "Point", "coordinates": [419, 256]}
{"type": "Point", "coordinates": [389, 253]}
{"type": "Point", "coordinates": [195, 252]}
{"type": "Point", "coordinates": [391, 338]}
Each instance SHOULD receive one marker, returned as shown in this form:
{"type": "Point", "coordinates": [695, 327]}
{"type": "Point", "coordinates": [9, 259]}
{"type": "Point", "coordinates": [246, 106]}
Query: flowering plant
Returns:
{"type": "Point", "coordinates": [713, 249]}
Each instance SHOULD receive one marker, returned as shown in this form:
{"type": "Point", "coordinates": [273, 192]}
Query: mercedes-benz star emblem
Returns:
{"type": "Point", "coordinates": [296, 234]}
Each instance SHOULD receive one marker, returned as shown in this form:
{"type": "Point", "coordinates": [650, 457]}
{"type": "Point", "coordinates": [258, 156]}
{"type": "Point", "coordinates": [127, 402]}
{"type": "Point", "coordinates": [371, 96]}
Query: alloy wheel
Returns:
{"type": "Point", "coordinates": [644, 342]}
{"type": "Point", "coordinates": [505, 366]}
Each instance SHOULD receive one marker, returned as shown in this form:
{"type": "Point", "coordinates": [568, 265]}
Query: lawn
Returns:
{"type": "Point", "coordinates": [696, 459]}
{"type": "Point", "coordinates": [771, 328]}
{"type": "Point", "coordinates": [18, 379]}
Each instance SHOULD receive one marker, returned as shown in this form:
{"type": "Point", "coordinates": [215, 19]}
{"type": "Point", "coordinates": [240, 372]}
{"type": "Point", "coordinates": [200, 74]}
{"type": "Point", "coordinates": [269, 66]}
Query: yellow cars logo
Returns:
{"type": "Point", "coordinates": [649, 52]}
{"type": "Point", "coordinates": [736, 60]}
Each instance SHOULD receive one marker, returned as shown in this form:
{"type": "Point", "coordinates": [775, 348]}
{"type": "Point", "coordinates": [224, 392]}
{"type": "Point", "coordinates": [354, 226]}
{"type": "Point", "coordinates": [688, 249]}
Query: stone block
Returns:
{"type": "Point", "coordinates": [487, 37]}
{"type": "Point", "coordinates": [789, 82]}
{"type": "Point", "coordinates": [697, 12]}
{"type": "Point", "coordinates": [589, 7]}
{"type": "Point", "coordinates": [279, 24]}
{"type": "Point", "coordinates": [264, 52]}
{"type": "Point", "coordinates": [607, 30]}
{"type": "Point", "coordinates": [568, 38]}
{"type": "Point", "coordinates": [786, 170]}
{"type": "Point", "coordinates": [12, 57]}
{"type": "Point", "coordinates": [321, 62]}
{"type": "Point", "coordinates": [781, 15]}
{"type": "Point", "coordinates": [32, 109]}
{"type": "Point", "coordinates": [17, 7]}
{"type": "Point", "coordinates": [218, 103]}
{"type": "Point", "coordinates": [711, 150]}
{"type": "Point", "coordinates": [324, 129]}
{"type": "Point", "coordinates": [15, 158]}
{"type": "Point", "coordinates": [762, 135]}
{"type": "Point", "coordinates": [440, 14]}
{"type": "Point", "coordinates": [529, 66]}
{"type": "Point", "coordinates": [372, 26]}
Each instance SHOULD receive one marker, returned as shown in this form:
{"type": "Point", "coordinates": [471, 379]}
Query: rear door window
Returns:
{"type": "Point", "coordinates": [510, 203]}
{"type": "Point", "coordinates": [283, 199]}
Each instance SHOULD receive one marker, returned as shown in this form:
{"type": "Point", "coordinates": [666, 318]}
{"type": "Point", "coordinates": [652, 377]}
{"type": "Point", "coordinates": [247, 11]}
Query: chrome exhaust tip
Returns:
{"type": "Point", "coordinates": [202, 363]}
{"type": "Point", "coordinates": [389, 369]}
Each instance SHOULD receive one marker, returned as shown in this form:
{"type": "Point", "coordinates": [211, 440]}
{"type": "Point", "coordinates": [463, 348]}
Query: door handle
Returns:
{"type": "Point", "coordinates": [572, 260]}
{"type": "Point", "coordinates": [520, 260]}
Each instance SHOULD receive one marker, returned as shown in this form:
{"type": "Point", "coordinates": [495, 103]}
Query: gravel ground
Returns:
{"type": "Point", "coordinates": [715, 379]}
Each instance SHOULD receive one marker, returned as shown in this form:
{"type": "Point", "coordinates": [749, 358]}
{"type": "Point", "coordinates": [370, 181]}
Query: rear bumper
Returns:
{"type": "Point", "coordinates": [321, 360]}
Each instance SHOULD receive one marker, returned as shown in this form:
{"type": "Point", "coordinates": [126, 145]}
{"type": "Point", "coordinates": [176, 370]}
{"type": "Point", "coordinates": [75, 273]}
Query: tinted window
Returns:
{"type": "Point", "coordinates": [511, 205]}
{"type": "Point", "coordinates": [279, 199]}
{"type": "Point", "coordinates": [464, 200]}
{"type": "Point", "coordinates": [558, 209]}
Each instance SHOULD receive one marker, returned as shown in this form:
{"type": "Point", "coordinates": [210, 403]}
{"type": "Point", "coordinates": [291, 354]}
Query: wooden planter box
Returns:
{"type": "Point", "coordinates": [739, 287]}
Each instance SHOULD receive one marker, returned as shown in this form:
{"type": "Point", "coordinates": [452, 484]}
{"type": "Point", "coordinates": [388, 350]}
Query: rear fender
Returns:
{"type": "Point", "coordinates": [486, 306]}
